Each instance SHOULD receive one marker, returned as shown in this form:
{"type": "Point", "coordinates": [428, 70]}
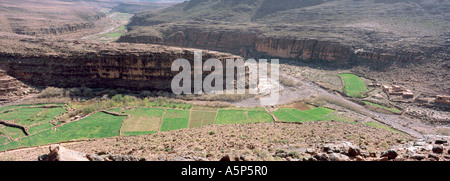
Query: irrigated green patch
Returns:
{"type": "Point", "coordinates": [378, 125]}
{"type": "Point", "coordinates": [259, 116]}
{"type": "Point", "coordinates": [231, 116]}
{"type": "Point", "coordinates": [285, 116]}
{"type": "Point", "coordinates": [39, 128]}
{"type": "Point", "coordinates": [44, 116]}
{"type": "Point", "coordinates": [113, 35]}
{"type": "Point", "coordinates": [394, 110]}
{"type": "Point", "coordinates": [98, 125]}
{"type": "Point", "coordinates": [8, 108]}
{"type": "Point", "coordinates": [354, 86]}
{"type": "Point", "coordinates": [9, 146]}
{"type": "Point", "coordinates": [141, 123]}
{"type": "Point", "coordinates": [20, 114]}
{"type": "Point", "coordinates": [3, 140]}
{"type": "Point", "coordinates": [12, 132]}
{"type": "Point", "coordinates": [201, 118]}
{"type": "Point", "coordinates": [175, 119]}
{"type": "Point", "coordinates": [294, 115]}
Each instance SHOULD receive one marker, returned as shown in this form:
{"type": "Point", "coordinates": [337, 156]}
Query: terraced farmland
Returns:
{"type": "Point", "coordinates": [98, 125]}
{"type": "Point", "coordinates": [139, 121]}
{"type": "Point", "coordinates": [354, 86]}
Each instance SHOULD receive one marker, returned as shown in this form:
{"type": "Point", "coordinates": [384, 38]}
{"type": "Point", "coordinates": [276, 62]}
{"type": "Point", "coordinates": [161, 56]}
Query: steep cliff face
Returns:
{"type": "Point", "coordinates": [11, 89]}
{"type": "Point", "coordinates": [250, 45]}
{"type": "Point", "coordinates": [141, 69]}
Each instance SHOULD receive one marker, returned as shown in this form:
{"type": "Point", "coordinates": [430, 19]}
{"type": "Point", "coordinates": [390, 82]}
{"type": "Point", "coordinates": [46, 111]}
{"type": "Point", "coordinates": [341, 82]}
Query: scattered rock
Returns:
{"type": "Point", "coordinates": [440, 141]}
{"type": "Point", "coordinates": [418, 156]}
{"type": "Point", "coordinates": [124, 158]}
{"type": "Point", "coordinates": [427, 148]}
{"type": "Point", "coordinates": [390, 154]}
{"type": "Point", "coordinates": [311, 151]}
{"type": "Point", "coordinates": [201, 159]}
{"type": "Point", "coordinates": [226, 158]}
{"type": "Point", "coordinates": [419, 143]}
{"type": "Point", "coordinates": [281, 154]}
{"type": "Point", "coordinates": [432, 156]}
{"type": "Point", "coordinates": [59, 153]}
{"type": "Point", "coordinates": [353, 151]}
{"type": "Point", "coordinates": [359, 158]}
{"type": "Point", "coordinates": [322, 157]}
{"type": "Point", "coordinates": [94, 157]}
{"type": "Point", "coordinates": [328, 148]}
{"type": "Point", "coordinates": [438, 149]}
{"type": "Point", "coordinates": [338, 157]}
{"type": "Point", "coordinates": [411, 150]}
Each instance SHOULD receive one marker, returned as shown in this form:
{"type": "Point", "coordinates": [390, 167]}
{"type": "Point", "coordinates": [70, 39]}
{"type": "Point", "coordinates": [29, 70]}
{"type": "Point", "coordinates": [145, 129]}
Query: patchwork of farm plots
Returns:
{"type": "Point", "coordinates": [41, 121]}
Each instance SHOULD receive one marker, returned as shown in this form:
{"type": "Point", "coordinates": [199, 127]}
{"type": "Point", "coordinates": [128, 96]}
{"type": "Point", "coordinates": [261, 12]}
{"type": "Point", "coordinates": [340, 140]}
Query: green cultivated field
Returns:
{"type": "Point", "coordinates": [8, 108]}
{"type": "Point", "coordinates": [44, 116]}
{"type": "Point", "coordinates": [259, 117]}
{"type": "Point", "coordinates": [354, 86]}
{"type": "Point", "coordinates": [39, 128]}
{"type": "Point", "coordinates": [381, 106]}
{"type": "Point", "coordinates": [294, 115]}
{"type": "Point", "coordinates": [201, 118]}
{"type": "Point", "coordinates": [99, 125]}
{"type": "Point", "coordinates": [3, 140]}
{"type": "Point", "coordinates": [20, 114]}
{"type": "Point", "coordinates": [114, 35]}
{"type": "Point", "coordinates": [381, 126]}
{"type": "Point", "coordinates": [243, 116]}
{"type": "Point", "coordinates": [9, 146]}
{"type": "Point", "coordinates": [175, 119]}
{"type": "Point", "coordinates": [12, 132]}
{"type": "Point", "coordinates": [231, 117]}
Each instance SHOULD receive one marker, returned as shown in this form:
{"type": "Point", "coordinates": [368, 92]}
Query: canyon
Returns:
{"type": "Point", "coordinates": [248, 44]}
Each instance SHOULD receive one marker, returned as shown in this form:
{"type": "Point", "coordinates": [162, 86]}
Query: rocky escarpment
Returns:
{"type": "Point", "coordinates": [11, 89]}
{"type": "Point", "coordinates": [254, 45]}
{"type": "Point", "coordinates": [138, 68]}
{"type": "Point", "coordinates": [55, 30]}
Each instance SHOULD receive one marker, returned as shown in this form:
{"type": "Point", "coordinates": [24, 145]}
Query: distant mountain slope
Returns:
{"type": "Point", "coordinates": [136, 7]}
{"type": "Point", "coordinates": [369, 24]}
{"type": "Point", "coordinates": [47, 16]}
